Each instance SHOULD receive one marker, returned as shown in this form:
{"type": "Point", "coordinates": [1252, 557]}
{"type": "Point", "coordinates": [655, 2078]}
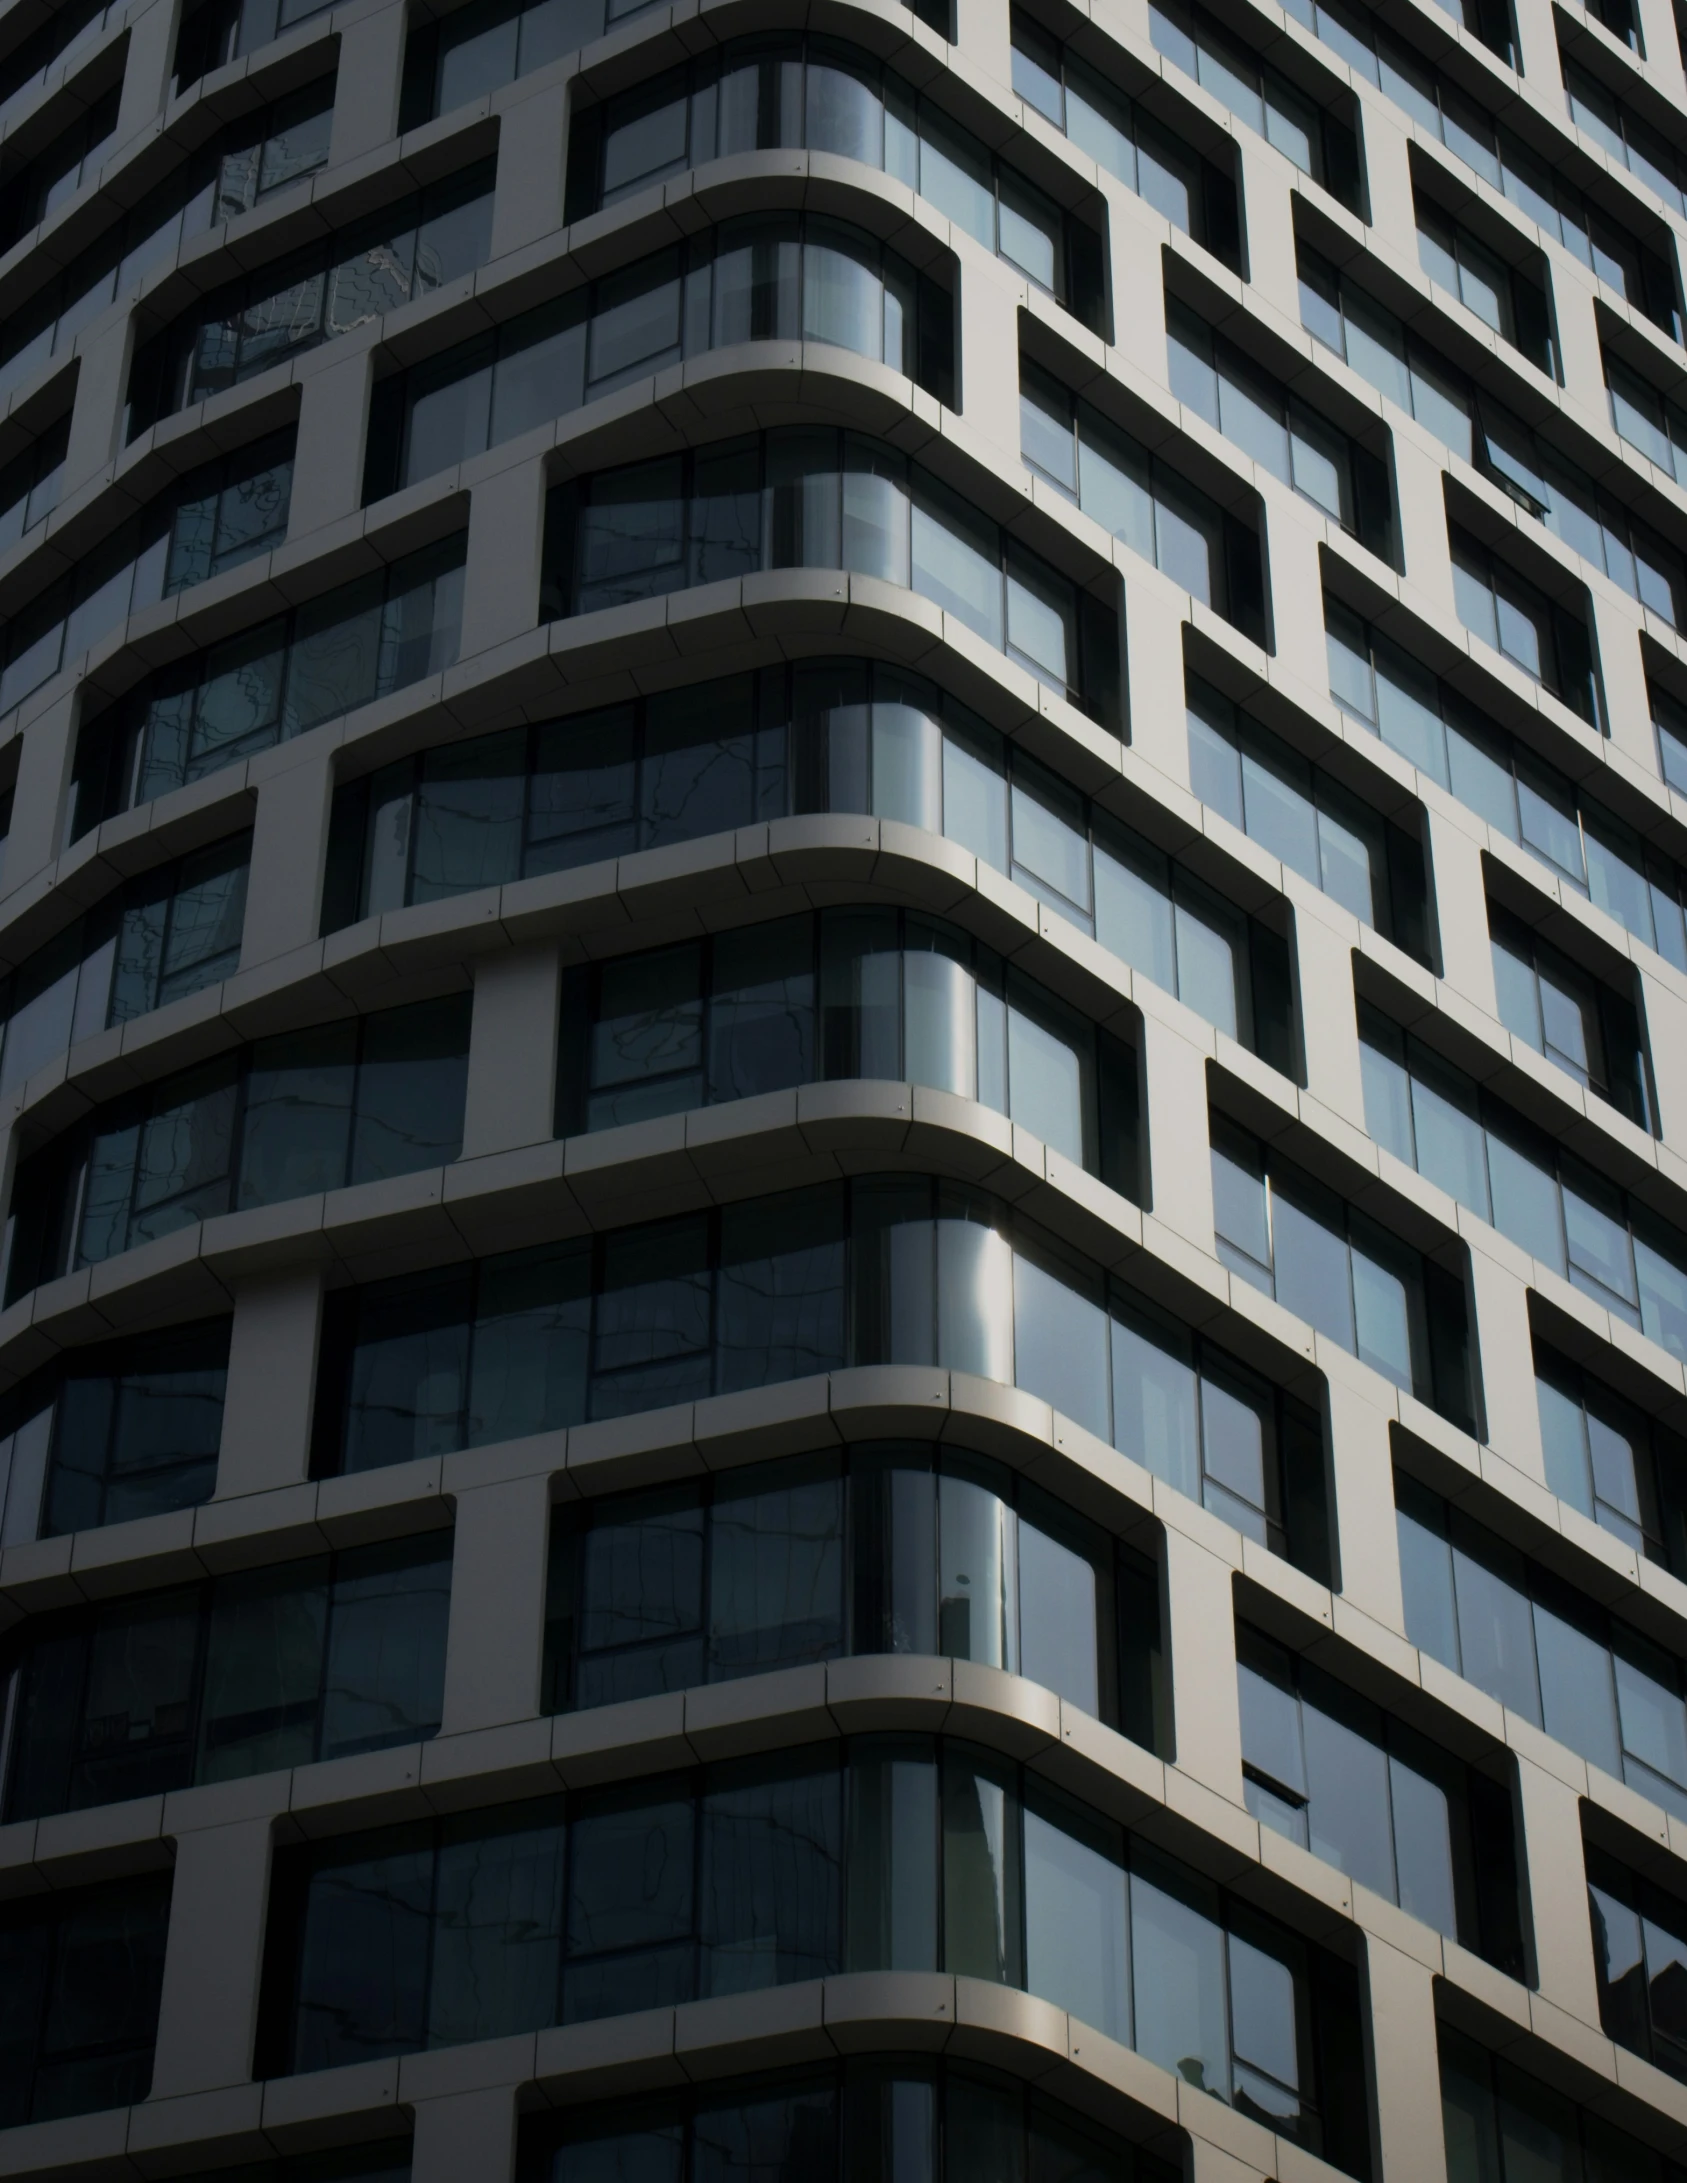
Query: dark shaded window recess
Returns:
{"type": "Point", "coordinates": [31, 191]}
{"type": "Point", "coordinates": [1510, 1172]}
{"type": "Point", "coordinates": [905, 1852]}
{"type": "Point", "coordinates": [242, 165]}
{"type": "Point", "coordinates": [1384, 1300]}
{"type": "Point", "coordinates": [1358, 1787]}
{"type": "Point", "coordinates": [348, 1102]}
{"type": "Point", "coordinates": [820, 95]}
{"type": "Point", "coordinates": [67, 29]}
{"type": "Point", "coordinates": [1299, 811]}
{"type": "Point", "coordinates": [1646, 416]}
{"type": "Point", "coordinates": [116, 1431]}
{"type": "Point", "coordinates": [1532, 802]}
{"type": "Point", "coordinates": [31, 481]}
{"type": "Point", "coordinates": [267, 1668]}
{"type": "Point", "coordinates": [1151, 142]}
{"type": "Point", "coordinates": [766, 277]}
{"type": "Point", "coordinates": [882, 1270]}
{"type": "Point", "coordinates": [1491, 272]}
{"type": "Point", "coordinates": [1669, 717]}
{"type": "Point", "coordinates": [331, 287]}
{"type": "Point", "coordinates": [1214, 551]}
{"type": "Point", "coordinates": [1548, 635]}
{"type": "Point", "coordinates": [823, 735]}
{"type": "Point", "coordinates": [885, 994]}
{"type": "Point", "coordinates": [82, 1971]}
{"type": "Point", "coordinates": [1619, 128]}
{"type": "Point", "coordinates": [220, 31]}
{"type": "Point", "coordinates": [1312, 121]}
{"type": "Point", "coordinates": [1294, 439]}
{"type": "Point", "coordinates": [1585, 1021]}
{"type": "Point", "coordinates": [1500, 2121]}
{"type": "Point", "coordinates": [1614, 1461]}
{"type": "Point", "coordinates": [774, 500]}
{"type": "Point", "coordinates": [368, 637]}
{"type": "Point", "coordinates": [1534, 1641]}
{"type": "Point", "coordinates": [216, 517]}
{"type": "Point", "coordinates": [890, 1547]}
{"type": "Point", "coordinates": [1355, 34]}
{"type": "Point", "coordinates": [898, 2117]}
{"type": "Point", "coordinates": [1639, 1960]}
{"type": "Point", "coordinates": [169, 933]}
{"type": "Point", "coordinates": [1622, 19]}
{"type": "Point", "coordinates": [1526, 461]}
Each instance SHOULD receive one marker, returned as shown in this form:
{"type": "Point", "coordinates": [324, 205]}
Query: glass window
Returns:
{"type": "Point", "coordinates": [80, 1977]}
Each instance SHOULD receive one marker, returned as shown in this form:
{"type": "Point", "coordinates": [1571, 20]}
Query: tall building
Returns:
{"type": "Point", "coordinates": [844, 1075]}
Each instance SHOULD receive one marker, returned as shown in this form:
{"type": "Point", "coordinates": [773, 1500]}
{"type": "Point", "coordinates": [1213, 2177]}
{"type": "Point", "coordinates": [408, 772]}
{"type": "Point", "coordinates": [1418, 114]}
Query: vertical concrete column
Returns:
{"type": "Point", "coordinates": [1421, 502]}
{"type": "Point", "coordinates": [1552, 1840]}
{"type": "Point", "coordinates": [495, 1646]}
{"type": "Point", "coordinates": [1201, 1624]}
{"type": "Point", "coordinates": [1576, 320]}
{"type": "Point", "coordinates": [511, 1097]}
{"type": "Point", "coordinates": [271, 1383]}
{"type": "Point", "coordinates": [41, 799]}
{"type": "Point", "coordinates": [1537, 54]}
{"type": "Point", "coordinates": [333, 434]}
{"type": "Point", "coordinates": [466, 2134]}
{"type": "Point", "coordinates": [1461, 908]}
{"type": "Point", "coordinates": [1134, 246]}
{"type": "Point", "coordinates": [989, 363]}
{"type": "Point", "coordinates": [1388, 170]}
{"type": "Point", "coordinates": [1405, 2065]}
{"type": "Point", "coordinates": [1666, 1034]}
{"type": "Point", "coordinates": [1179, 1146]}
{"type": "Point", "coordinates": [1295, 595]}
{"type": "Point", "coordinates": [1268, 225]}
{"type": "Point", "coordinates": [506, 538]}
{"type": "Point", "coordinates": [147, 69]}
{"type": "Point", "coordinates": [208, 2010]}
{"type": "Point", "coordinates": [1324, 964]}
{"type": "Point", "coordinates": [295, 785]}
{"type": "Point", "coordinates": [1156, 713]}
{"type": "Point", "coordinates": [366, 89]}
{"type": "Point", "coordinates": [981, 33]}
{"type": "Point", "coordinates": [1663, 53]}
{"type": "Point", "coordinates": [1507, 1352]}
{"type": "Point", "coordinates": [1363, 1530]}
{"type": "Point", "coordinates": [532, 162]}
{"type": "Point", "coordinates": [96, 418]}
{"type": "Point", "coordinates": [1628, 702]}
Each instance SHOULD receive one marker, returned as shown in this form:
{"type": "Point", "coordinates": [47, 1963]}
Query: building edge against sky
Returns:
{"type": "Point", "coordinates": [843, 1054]}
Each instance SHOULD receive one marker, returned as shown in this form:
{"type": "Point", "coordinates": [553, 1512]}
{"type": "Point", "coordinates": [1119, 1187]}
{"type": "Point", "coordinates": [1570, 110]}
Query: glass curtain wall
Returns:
{"type": "Point", "coordinates": [824, 735]}
{"type": "Point", "coordinates": [1334, 1266]}
{"type": "Point", "coordinates": [342, 1103]}
{"type": "Point", "coordinates": [1527, 465]}
{"type": "Point", "coordinates": [169, 933]}
{"type": "Point", "coordinates": [882, 1270]}
{"type": "Point", "coordinates": [1573, 1019]}
{"type": "Point", "coordinates": [30, 482]}
{"type": "Point", "coordinates": [243, 165]}
{"type": "Point", "coordinates": [1213, 554]}
{"type": "Point", "coordinates": [1549, 1655]}
{"type": "Point", "coordinates": [1193, 192]}
{"type": "Point", "coordinates": [847, 993]}
{"type": "Point", "coordinates": [1301, 814]}
{"type": "Point", "coordinates": [885, 1548]}
{"type": "Point", "coordinates": [1640, 1961]}
{"type": "Point", "coordinates": [1488, 1157]}
{"type": "Point", "coordinates": [376, 634]}
{"type": "Point", "coordinates": [1281, 431]}
{"type": "Point", "coordinates": [329, 288]}
{"type": "Point", "coordinates": [820, 95]}
{"type": "Point", "coordinates": [81, 1974]}
{"type": "Point", "coordinates": [903, 1853]}
{"type": "Point", "coordinates": [267, 1668]}
{"type": "Point", "coordinates": [1550, 642]}
{"type": "Point", "coordinates": [773, 277]}
{"type": "Point", "coordinates": [1521, 796]}
{"type": "Point", "coordinates": [1511, 299]}
{"type": "Point", "coordinates": [1358, 1788]}
{"type": "Point", "coordinates": [1503, 2125]}
{"type": "Point", "coordinates": [901, 2118]}
{"type": "Point", "coordinates": [120, 1430]}
{"type": "Point", "coordinates": [806, 496]}
{"type": "Point", "coordinates": [1622, 1469]}
{"type": "Point", "coordinates": [218, 516]}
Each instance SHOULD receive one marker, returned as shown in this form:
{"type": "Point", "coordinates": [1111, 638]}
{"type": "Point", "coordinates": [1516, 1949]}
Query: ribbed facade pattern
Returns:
{"type": "Point", "coordinates": [843, 1067]}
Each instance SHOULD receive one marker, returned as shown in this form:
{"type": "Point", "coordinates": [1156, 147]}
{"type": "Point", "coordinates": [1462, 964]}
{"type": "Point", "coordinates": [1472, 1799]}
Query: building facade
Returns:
{"type": "Point", "coordinates": [844, 1068]}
